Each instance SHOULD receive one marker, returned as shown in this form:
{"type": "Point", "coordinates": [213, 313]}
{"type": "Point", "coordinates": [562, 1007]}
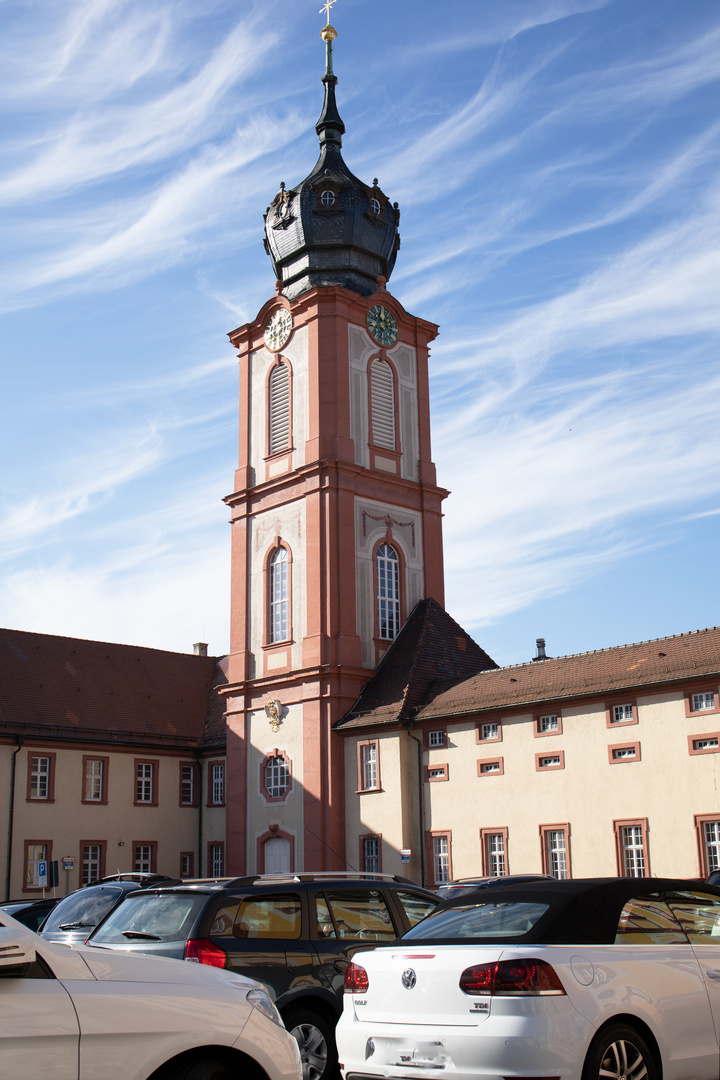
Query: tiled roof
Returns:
{"type": "Point", "coordinates": [607, 671]}
{"type": "Point", "coordinates": [60, 687]}
{"type": "Point", "coordinates": [430, 646]}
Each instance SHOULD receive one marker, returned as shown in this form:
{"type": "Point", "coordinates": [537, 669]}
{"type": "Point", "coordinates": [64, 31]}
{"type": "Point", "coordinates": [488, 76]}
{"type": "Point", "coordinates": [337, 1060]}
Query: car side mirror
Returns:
{"type": "Point", "coordinates": [17, 947]}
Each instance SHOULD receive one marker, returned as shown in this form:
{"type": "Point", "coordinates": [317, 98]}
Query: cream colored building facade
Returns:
{"type": "Point", "coordinates": [600, 764]}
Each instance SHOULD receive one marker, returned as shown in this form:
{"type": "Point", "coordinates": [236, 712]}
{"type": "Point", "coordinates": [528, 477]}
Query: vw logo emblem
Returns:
{"type": "Point", "coordinates": [409, 978]}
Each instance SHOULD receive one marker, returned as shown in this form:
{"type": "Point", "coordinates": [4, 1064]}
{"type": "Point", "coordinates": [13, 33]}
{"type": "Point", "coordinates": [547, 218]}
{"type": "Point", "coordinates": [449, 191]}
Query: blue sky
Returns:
{"type": "Point", "coordinates": [556, 165]}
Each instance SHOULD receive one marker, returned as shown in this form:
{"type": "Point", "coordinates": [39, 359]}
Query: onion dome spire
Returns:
{"type": "Point", "coordinates": [331, 229]}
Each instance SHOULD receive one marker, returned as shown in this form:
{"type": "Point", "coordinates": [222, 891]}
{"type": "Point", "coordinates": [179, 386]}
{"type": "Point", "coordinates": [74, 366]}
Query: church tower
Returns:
{"type": "Point", "coordinates": [336, 515]}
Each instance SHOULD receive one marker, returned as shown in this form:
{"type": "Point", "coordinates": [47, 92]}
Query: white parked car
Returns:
{"type": "Point", "coordinates": [567, 980]}
{"type": "Point", "coordinates": [80, 1014]}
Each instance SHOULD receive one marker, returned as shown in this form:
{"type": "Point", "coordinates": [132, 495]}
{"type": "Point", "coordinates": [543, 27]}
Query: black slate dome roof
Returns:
{"type": "Point", "coordinates": [331, 229]}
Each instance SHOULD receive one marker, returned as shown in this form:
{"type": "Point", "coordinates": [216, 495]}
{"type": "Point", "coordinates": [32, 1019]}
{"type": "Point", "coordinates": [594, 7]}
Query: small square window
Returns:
{"type": "Point", "coordinates": [703, 701]}
{"type": "Point", "coordinates": [489, 732]}
{"type": "Point", "coordinates": [622, 713]}
{"type": "Point", "coordinates": [436, 738]}
{"type": "Point", "coordinates": [548, 724]}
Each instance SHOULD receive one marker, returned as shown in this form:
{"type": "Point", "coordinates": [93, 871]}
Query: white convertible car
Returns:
{"type": "Point", "coordinates": [605, 979]}
{"type": "Point", "coordinates": [79, 1014]}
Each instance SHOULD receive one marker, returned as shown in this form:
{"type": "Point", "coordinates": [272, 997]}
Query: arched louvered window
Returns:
{"type": "Point", "coordinates": [279, 408]}
{"type": "Point", "coordinates": [279, 596]}
{"type": "Point", "coordinates": [382, 404]}
{"type": "Point", "coordinates": [388, 592]}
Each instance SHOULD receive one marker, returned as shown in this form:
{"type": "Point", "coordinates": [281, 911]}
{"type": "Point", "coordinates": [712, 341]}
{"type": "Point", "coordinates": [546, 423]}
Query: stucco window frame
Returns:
{"type": "Point", "coordinates": [190, 856]}
{"type": "Point", "coordinates": [195, 801]}
{"type": "Point", "coordinates": [361, 845]}
{"type": "Point", "coordinates": [360, 767]}
{"type": "Point", "coordinates": [480, 724]}
{"type": "Point", "coordinates": [491, 761]}
{"type": "Point", "coordinates": [102, 844]}
{"type": "Point", "coordinates": [694, 751]}
{"type": "Point", "coordinates": [537, 717]}
{"type": "Point", "coordinates": [430, 835]}
{"type": "Point", "coordinates": [618, 826]}
{"type": "Point", "coordinates": [612, 760]}
{"type": "Point", "coordinates": [612, 703]}
{"type": "Point", "coordinates": [48, 845]}
{"type": "Point", "coordinates": [437, 779]}
{"type": "Point", "coordinates": [435, 730]}
{"type": "Point", "coordinates": [700, 820]}
{"type": "Point", "coordinates": [105, 775]}
{"type": "Point", "coordinates": [50, 798]}
{"type": "Point", "coordinates": [264, 791]}
{"type": "Point", "coordinates": [485, 834]}
{"type": "Point", "coordinates": [708, 688]}
{"type": "Point", "coordinates": [268, 645]}
{"type": "Point", "coordinates": [153, 845]}
{"type": "Point", "coordinates": [211, 844]}
{"type": "Point", "coordinates": [211, 804]}
{"type": "Point", "coordinates": [155, 762]}
{"type": "Point", "coordinates": [545, 830]}
{"type": "Point", "coordinates": [539, 767]}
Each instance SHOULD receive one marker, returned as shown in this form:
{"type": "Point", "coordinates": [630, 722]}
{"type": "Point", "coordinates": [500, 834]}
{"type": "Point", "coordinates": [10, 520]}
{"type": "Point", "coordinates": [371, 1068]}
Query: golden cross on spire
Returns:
{"type": "Point", "coordinates": [326, 8]}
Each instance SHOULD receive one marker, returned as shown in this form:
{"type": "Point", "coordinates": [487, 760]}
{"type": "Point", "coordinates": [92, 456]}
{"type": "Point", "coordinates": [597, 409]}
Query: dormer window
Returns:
{"type": "Point", "coordinates": [327, 198]}
{"type": "Point", "coordinates": [375, 206]}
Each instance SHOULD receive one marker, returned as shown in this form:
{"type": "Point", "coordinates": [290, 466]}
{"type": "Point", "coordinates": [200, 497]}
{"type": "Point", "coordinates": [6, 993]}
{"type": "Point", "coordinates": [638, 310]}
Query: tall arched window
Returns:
{"type": "Point", "coordinates": [388, 592]}
{"type": "Point", "coordinates": [279, 408]}
{"type": "Point", "coordinates": [279, 596]}
{"type": "Point", "coordinates": [382, 404]}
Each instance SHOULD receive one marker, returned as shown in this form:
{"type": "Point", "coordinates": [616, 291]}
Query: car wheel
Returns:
{"type": "Point", "coordinates": [619, 1053]}
{"type": "Point", "coordinates": [204, 1069]}
{"type": "Point", "coordinates": [316, 1042]}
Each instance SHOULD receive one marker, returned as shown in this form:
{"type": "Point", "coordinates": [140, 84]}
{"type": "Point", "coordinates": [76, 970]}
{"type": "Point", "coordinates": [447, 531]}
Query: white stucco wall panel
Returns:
{"type": "Point", "coordinates": [296, 352]}
{"type": "Point", "coordinates": [370, 527]}
{"type": "Point", "coordinates": [287, 522]}
{"type": "Point", "coordinates": [287, 813]}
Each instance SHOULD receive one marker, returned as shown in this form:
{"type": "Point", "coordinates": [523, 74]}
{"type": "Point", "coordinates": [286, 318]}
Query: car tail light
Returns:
{"type": "Point", "coordinates": [356, 979]}
{"type": "Point", "coordinates": [203, 951]}
{"type": "Point", "coordinates": [511, 977]}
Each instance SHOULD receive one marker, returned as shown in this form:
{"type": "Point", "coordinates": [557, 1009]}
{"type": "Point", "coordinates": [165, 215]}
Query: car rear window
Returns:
{"type": "Point", "coordinates": [152, 917]}
{"type": "Point", "coordinates": [498, 920]}
{"type": "Point", "coordinates": [277, 917]}
{"type": "Point", "coordinates": [416, 907]}
{"type": "Point", "coordinates": [358, 914]}
{"type": "Point", "coordinates": [83, 909]}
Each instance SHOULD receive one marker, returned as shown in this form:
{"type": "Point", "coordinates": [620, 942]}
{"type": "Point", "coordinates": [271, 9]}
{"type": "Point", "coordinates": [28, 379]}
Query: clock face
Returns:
{"type": "Point", "coordinates": [278, 329]}
{"type": "Point", "coordinates": [381, 324]}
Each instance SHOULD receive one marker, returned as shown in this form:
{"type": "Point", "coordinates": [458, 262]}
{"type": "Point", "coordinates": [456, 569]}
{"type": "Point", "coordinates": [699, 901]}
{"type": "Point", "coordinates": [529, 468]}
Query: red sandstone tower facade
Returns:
{"type": "Point", "coordinates": [336, 515]}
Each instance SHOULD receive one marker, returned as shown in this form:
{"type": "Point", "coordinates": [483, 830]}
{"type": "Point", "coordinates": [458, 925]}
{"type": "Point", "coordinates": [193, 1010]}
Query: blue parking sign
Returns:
{"type": "Point", "coordinates": [42, 874]}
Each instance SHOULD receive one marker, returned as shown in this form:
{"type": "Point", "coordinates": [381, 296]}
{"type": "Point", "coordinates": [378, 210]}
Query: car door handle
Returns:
{"type": "Point", "coordinates": [713, 975]}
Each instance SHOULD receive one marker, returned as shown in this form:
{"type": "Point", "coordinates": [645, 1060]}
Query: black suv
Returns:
{"type": "Point", "coordinates": [293, 933]}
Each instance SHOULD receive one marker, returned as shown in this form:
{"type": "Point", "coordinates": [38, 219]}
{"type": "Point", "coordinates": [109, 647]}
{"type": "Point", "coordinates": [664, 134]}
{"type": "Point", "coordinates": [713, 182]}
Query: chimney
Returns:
{"type": "Point", "coordinates": [200, 648]}
{"type": "Point", "coordinates": [540, 643]}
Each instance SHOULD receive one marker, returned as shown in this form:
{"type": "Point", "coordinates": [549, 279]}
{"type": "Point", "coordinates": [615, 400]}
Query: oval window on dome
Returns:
{"type": "Point", "coordinates": [375, 206]}
{"type": "Point", "coordinates": [327, 198]}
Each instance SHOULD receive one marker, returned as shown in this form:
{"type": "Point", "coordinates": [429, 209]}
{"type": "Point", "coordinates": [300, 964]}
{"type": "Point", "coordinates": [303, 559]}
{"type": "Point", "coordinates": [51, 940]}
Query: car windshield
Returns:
{"type": "Point", "coordinates": [494, 920]}
{"type": "Point", "coordinates": [152, 917]}
{"type": "Point", "coordinates": [82, 909]}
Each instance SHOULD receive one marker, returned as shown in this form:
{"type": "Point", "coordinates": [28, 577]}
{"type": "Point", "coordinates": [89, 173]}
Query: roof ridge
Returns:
{"type": "Point", "coordinates": [101, 641]}
{"type": "Point", "coordinates": [417, 651]}
{"type": "Point", "coordinates": [609, 648]}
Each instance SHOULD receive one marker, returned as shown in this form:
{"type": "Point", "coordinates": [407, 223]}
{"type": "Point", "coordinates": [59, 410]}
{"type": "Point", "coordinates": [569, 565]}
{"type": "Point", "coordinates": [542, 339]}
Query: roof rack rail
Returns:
{"type": "Point", "coordinates": [317, 875]}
